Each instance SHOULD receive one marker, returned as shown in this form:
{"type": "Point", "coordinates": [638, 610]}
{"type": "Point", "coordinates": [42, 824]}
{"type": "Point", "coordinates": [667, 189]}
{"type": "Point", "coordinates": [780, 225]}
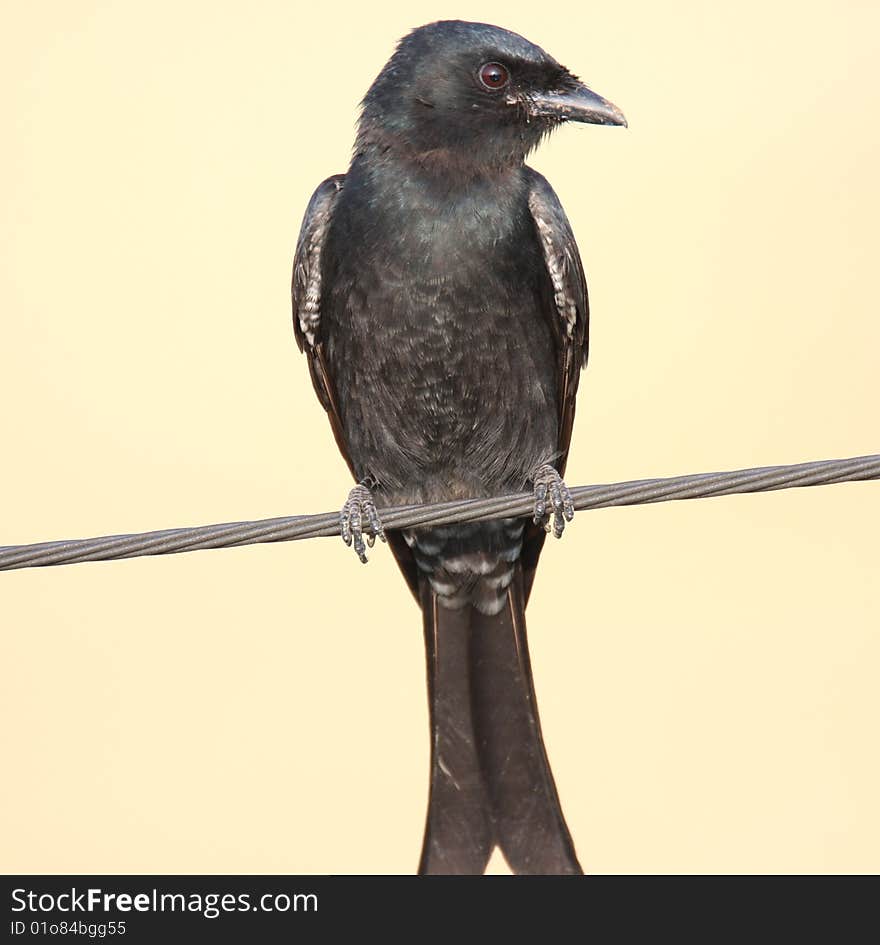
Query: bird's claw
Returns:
{"type": "Point", "coordinates": [359, 521]}
{"type": "Point", "coordinates": [548, 484]}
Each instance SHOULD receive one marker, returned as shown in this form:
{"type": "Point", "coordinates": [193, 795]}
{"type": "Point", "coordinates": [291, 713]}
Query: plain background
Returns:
{"type": "Point", "coordinates": [707, 671]}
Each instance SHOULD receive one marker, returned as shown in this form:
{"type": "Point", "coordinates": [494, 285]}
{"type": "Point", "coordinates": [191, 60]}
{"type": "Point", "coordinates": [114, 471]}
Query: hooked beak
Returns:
{"type": "Point", "coordinates": [576, 103]}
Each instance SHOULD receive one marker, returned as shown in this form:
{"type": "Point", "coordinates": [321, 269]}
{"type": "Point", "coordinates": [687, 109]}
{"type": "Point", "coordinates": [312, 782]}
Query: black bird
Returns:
{"type": "Point", "coordinates": [439, 295]}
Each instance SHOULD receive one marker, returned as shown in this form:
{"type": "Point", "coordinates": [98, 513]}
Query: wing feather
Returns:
{"type": "Point", "coordinates": [306, 289]}
{"type": "Point", "coordinates": [567, 306]}
{"type": "Point", "coordinates": [307, 273]}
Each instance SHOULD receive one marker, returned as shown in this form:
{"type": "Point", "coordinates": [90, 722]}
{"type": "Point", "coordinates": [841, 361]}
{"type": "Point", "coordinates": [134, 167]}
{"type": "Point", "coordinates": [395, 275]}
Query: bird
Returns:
{"type": "Point", "coordinates": [439, 296]}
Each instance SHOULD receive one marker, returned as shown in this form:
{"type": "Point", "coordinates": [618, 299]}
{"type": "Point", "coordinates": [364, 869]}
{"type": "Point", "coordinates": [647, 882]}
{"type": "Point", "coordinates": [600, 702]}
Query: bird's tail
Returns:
{"type": "Point", "coordinates": [491, 783]}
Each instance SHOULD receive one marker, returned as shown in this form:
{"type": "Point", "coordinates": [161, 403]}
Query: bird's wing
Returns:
{"type": "Point", "coordinates": [567, 305]}
{"type": "Point", "coordinates": [306, 295]}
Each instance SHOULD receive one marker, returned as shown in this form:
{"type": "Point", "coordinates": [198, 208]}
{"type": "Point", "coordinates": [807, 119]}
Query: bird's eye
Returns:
{"type": "Point", "coordinates": [493, 76]}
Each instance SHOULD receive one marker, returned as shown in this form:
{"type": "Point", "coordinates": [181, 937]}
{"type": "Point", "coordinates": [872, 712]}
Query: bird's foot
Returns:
{"type": "Point", "coordinates": [549, 485]}
{"type": "Point", "coordinates": [359, 520]}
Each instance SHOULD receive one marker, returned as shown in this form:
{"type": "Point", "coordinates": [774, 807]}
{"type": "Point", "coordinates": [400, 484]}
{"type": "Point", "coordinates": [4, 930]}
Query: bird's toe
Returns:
{"type": "Point", "coordinates": [554, 505]}
{"type": "Point", "coordinates": [359, 521]}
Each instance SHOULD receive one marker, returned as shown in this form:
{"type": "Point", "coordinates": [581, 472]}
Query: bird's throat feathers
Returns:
{"type": "Point", "coordinates": [460, 156]}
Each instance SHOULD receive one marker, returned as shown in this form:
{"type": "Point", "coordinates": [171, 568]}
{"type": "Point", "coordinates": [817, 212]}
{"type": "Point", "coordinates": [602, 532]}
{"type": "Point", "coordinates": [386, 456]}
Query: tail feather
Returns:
{"type": "Point", "coordinates": [458, 832]}
{"type": "Point", "coordinates": [491, 782]}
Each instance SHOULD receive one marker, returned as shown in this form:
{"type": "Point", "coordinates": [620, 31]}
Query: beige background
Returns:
{"type": "Point", "coordinates": [707, 671]}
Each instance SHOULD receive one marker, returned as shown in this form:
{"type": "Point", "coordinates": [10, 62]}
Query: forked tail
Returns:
{"type": "Point", "coordinates": [491, 783]}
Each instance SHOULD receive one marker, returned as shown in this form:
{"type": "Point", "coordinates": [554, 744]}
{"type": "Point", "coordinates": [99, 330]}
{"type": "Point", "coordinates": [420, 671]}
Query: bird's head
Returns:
{"type": "Point", "coordinates": [469, 96]}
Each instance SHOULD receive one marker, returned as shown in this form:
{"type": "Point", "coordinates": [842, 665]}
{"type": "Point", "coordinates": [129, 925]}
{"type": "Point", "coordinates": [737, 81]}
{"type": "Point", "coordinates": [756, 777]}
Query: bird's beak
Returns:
{"type": "Point", "coordinates": [576, 103]}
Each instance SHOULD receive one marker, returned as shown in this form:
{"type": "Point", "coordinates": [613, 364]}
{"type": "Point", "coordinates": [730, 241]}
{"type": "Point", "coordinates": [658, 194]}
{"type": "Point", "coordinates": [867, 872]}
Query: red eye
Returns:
{"type": "Point", "coordinates": [493, 76]}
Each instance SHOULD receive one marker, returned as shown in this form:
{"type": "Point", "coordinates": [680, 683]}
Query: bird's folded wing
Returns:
{"type": "Point", "coordinates": [306, 296]}
{"type": "Point", "coordinates": [566, 305]}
